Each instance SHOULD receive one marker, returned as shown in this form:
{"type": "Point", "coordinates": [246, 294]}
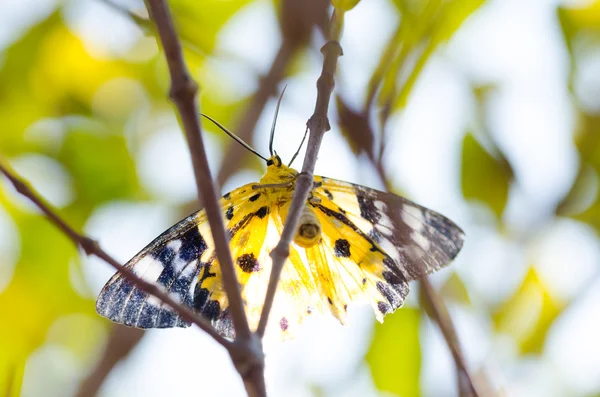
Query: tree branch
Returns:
{"type": "Point", "coordinates": [91, 247]}
{"type": "Point", "coordinates": [318, 124]}
{"type": "Point", "coordinates": [183, 94]}
{"type": "Point", "coordinates": [246, 352]}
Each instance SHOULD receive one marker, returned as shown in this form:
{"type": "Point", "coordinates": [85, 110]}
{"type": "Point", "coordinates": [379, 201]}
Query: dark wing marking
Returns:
{"type": "Point", "coordinates": [174, 261]}
{"type": "Point", "coordinates": [419, 240]}
{"type": "Point", "coordinates": [350, 266]}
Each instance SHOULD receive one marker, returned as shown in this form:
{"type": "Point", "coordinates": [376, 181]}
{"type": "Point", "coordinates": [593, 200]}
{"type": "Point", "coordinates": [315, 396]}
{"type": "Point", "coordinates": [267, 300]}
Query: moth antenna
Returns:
{"type": "Point", "coordinates": [275, 121]}
{"type": "Point", "coordinates": [299, 147]}
{"type": "Point", "coordinates": [235, 137]}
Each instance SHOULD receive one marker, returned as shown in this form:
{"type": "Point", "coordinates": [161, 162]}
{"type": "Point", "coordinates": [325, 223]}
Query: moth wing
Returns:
{"type": "Point", "coordinates": [256, 229]}
{"type": "Point", "coordinates": [350, 267]}
{"type": "Point", "coordinates": [173, 261]}
{"type": "Point", "coordinates": [419, 240]}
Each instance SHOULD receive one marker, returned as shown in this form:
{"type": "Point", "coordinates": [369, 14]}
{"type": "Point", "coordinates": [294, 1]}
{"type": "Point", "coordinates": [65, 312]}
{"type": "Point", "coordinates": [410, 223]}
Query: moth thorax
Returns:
{"type": "Point", "coordinates": [309, 229]}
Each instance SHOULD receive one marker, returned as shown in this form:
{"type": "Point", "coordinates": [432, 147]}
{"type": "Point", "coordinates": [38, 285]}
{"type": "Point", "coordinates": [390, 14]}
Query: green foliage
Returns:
{"type": "Point", "coordinates": [484, 177]}
{"type": "Point", "coordinates": [424, 27]}
{"type": "Point", "coordinates": [101, 166]}
{"type": "Point", "coordinates": [50, 105]}
{"type": "Point", "coordinates": [395, 354]}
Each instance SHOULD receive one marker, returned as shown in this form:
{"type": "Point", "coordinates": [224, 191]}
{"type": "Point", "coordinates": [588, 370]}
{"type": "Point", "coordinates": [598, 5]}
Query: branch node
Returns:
{"type": "Point", "coordinates": [333, 46]}
{"type": "Point", "coordinates": [184, 90]}
{"type": "Point", "coordinates": [89, 246]}
{"type": "Point", "coordinates": [318, 123]}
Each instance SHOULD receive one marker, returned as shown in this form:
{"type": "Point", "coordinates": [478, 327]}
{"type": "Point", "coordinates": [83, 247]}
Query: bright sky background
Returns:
{"type": "Point", "coordinates": [514, 44]}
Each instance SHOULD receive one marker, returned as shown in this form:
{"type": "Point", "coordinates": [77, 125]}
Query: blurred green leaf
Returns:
{"type": "Point", "coordinates": [424, 26]}
{"type": "Point", "coordinates": [395, 354]}
{"type": "Point", "coordinates": [101, 166]}
{"type": "Point", "coordinates": [40, 290]}
{"type": "Point", "coordinates": [199, 22]}
{"type": "Point", "coordinates": [484, 177]}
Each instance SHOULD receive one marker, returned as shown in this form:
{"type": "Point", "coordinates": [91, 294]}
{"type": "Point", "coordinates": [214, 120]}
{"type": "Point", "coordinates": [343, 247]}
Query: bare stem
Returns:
{"type": "Point", "coordinates": [183, 94]}
{"type": "Point", "coordinates": [318, 124]}
{"type": "Point", "coordinates": [91, 247]}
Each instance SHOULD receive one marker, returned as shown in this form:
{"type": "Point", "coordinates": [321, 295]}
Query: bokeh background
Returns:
{"type": "Point", "coordinates": [487, 111]}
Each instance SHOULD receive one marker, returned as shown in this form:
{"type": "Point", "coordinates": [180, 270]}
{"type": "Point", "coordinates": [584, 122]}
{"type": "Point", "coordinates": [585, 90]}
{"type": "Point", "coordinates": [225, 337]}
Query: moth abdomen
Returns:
{"type": "Point", "coordinates": [309, 229]}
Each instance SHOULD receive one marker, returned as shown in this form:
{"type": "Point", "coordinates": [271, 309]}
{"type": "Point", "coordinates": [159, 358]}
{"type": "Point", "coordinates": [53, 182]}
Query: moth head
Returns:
{"type": "Point", "coordinates": [274, 161]}
{"type": "Point", "coordinates": [309, 229]}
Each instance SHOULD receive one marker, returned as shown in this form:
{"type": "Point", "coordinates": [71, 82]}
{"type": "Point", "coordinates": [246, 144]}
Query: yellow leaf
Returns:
{"type": "Point", "coordinates": [528, 314]}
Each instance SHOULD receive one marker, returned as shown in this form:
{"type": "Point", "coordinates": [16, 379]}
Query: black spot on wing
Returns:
{"type": "Point", "coordinates": [394, 294]}
{"type": "Point", "coordinates": [164, 255]}
{"type": "Point", "coordinates": [192, 245]}
{"type": "Point", "coordinates": [229, 213]}
{"type": "Point", "coordinates": [248, 263]}
{"type": "Point", "coordinates": [262, 212]}
{"type": "Point", "coordinates": [227, 196]}
{"type": "Point", "coordinates": [344, 219]}
{"type": "Point", "coordinates": [328, 194]}
{"type": "Point", "coordinates": [255, 197]}
{"type": "Point", "coordinates": [383, 307]}
{"type": "Point", "coordinates": [147, 317]}
{"type": "Point", "coordinates": [367, 208]}
{"type": "Point", "coordinates": [341, 248]}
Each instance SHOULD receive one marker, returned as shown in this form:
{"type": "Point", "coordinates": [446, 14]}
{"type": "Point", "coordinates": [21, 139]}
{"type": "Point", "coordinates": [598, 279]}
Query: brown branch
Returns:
{"type": "Point", "coordinates": [318, 124]}
{"type": "Point", "coordinates": [247, 354]}
{"type": "Point", "coordinates": [183, 94]}
{"type": "Point", "coordinates": [91, 247]}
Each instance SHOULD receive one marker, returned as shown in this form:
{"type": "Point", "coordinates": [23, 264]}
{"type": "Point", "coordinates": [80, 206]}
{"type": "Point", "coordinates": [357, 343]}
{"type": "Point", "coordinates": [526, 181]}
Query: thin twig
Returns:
{"type": "Point", "coordinates": [442, 317]}
{"type": "Point", "coordinates": [183, 94]}
{"type": "Point", "coordinates": [318, 124]}
{"type": "Point", "coordinates": [91, 247]}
